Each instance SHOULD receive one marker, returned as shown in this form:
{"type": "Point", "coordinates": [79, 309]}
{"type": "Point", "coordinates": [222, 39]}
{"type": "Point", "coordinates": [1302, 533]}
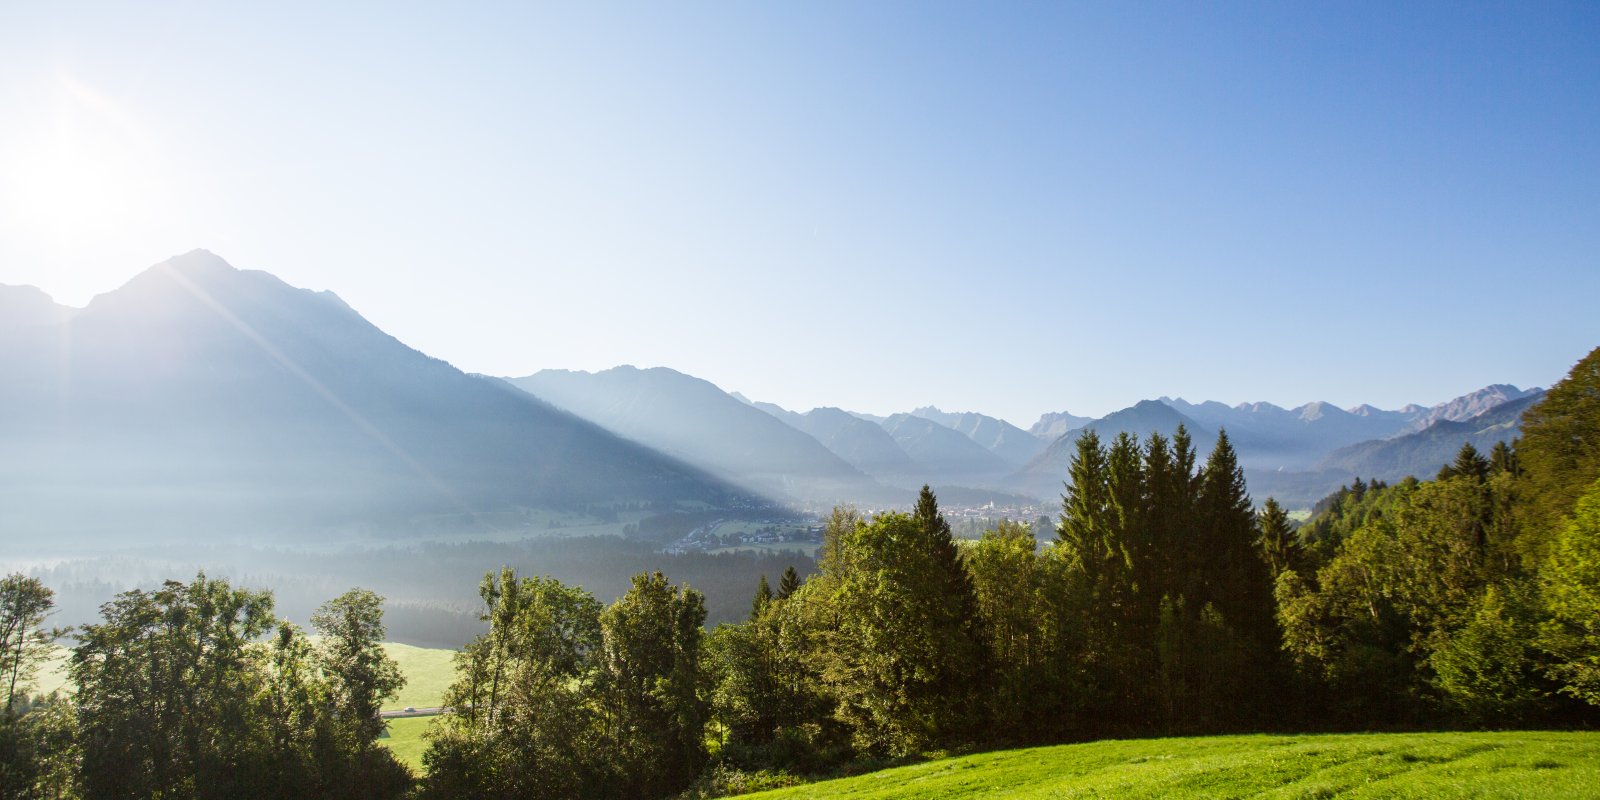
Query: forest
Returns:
{"type": "Point", "coordinates": [1164, 602]}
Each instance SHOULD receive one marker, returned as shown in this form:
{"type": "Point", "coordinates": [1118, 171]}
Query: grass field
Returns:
{"type": "Point", "coordinates": [1432, 765]}
{"type": "Point", "coordinates": [428, 672]}
{"type": "Point", "coordinates": [807, 549]}
{"type": "Point", "coordinates": [404, 739]}
{"type": "Point", "coordinates": [52, 675]}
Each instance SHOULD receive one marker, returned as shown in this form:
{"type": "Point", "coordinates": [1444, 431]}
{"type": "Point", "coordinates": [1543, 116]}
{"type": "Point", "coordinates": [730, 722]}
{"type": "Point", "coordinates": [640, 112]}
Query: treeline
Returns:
{"type": "Point", "coordinates": [428, 588]}
{"type": "Point", "coordinates": [195, 690]}
{"type": "Point", "coordinates": [1163, 603]}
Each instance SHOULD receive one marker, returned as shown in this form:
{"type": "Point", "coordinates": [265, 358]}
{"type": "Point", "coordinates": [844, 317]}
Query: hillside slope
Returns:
{"type": "Point", "coordinates": [1012, 444]}
{"type": "Point", "coordinates": [944, 455]}
{"type": "Point", "coordinates": [694, 420]}
{"type": "Point", "coordinates": [861, 443]}
{"type": "Point", "coordinates": [1434, 765]}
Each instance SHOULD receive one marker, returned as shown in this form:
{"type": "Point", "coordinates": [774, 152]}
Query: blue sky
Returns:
{"type": "Point", "coordinates": [1013, 208]}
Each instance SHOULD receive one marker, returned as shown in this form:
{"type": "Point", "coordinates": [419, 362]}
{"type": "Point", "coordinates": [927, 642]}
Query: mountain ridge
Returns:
{"type": "Point", "coordinates": [199, 399]}
{"type": "Point", "coordinates": [694, 420]}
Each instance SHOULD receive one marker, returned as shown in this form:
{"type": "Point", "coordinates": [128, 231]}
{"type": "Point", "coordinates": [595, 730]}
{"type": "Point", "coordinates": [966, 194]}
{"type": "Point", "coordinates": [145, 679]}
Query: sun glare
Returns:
{"type": "Point", "coordinates": [82, 169]}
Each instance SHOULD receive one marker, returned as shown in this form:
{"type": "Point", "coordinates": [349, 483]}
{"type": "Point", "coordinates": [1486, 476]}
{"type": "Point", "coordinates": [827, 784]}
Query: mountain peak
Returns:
{"type": "Point", "coordinates": [1318, 409]}
{"type": "Point", "coordinates": [198, 262]}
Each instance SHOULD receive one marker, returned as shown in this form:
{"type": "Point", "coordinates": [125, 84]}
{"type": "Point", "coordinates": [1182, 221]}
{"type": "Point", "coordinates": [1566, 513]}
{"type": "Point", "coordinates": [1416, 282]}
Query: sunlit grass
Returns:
{"type": "Point", "coordinates": [428, 672]}
{"type": "Point", "coordinates": [404, 739]}
{"type": "Point", "coordinates": [1434, 765]}
{"type": "Point", "coordinates": [52, 675]}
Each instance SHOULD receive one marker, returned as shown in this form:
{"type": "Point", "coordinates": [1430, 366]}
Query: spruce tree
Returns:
{"type": "Point", "coordinates": [763, 597]}
{"type": "Point", "coordinates": [1156, 550]}
{"type": "Point", "coordinates": [1098, 582]}
{"type": "Point", "coordinates": [1276, 538]}
{"type": "Point", "coordinates": [789, 583]}
{"type": "Point", "coordinates": [1468, 463]}
{"type": "Point", "coordinates": [1503, 460]}
{"type": "Point", "coordinates": [1228, 576]}
{"type": "Point", "coordinates": [1085, 538]}
{"type": "Point", "coordinates": [1233, 579]}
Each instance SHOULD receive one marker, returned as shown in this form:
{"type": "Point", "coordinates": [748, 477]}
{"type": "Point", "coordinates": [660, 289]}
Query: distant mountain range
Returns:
{"type": "Point", "coordinates": [1297, 455]}
{"type": "Point", "coordinates": [1422, 452]}
{"type": "Point", "coordinates": [1471, 405]}
{"type": "Point", "coordinates": [200, 401]}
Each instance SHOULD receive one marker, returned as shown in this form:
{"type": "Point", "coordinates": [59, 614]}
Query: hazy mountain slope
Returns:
{"type": "Point", "coordinates": [1013, 445]}
{"type": "Point", "coordinates": [1051, 425]}
{"type": "Point", "coordinates": [27, 307]}
{"type": "Point", "coordinates": [872, 418]}
{"type": "Point", "coordinates": [940, 454]}
{"type": "Point", "coordinates": [1424, 452]}
{"type": "Point", "coordinates": [202, 400]}
{"type": "Point", "coordinates": [863, 444]}
{"type": "Point", "coordinates": [1043, 475]}
{"type": "Point", "coordinates": [694, 420]}
{"type": "Point", "coordinates": [784, 415]}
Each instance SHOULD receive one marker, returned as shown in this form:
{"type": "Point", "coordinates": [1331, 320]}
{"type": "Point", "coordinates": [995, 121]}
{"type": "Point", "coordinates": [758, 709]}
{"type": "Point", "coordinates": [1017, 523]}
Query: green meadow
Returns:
{"type": "Point", "coordinates": [404, 739]}
{"type": "Point", "coordinates": [1432, 765]}
{"type": "Point", "coordinates": [428, 672]}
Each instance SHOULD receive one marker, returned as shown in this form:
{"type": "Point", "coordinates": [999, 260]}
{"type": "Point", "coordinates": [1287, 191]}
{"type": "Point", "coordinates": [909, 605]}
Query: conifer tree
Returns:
{"type": "Point", "coordinates": [1232, 575]}
{"type": "Point", "coordinates": [1084, 534]}
{"type": "Point", "coordinates": [789, 583]}
{"type": "Point", "coordinates": [1276, 538]}
{"type": "Point", "coordinates": [1468, 463]}
{"type": "Point", "coordinates": [763, 597]}
{"type": "Point", "coordinates": [1233, 583]}
{"type": "Point", "coordinates": [1156, 549]}
{"type": "Point", "coordinates": [1503, 460]}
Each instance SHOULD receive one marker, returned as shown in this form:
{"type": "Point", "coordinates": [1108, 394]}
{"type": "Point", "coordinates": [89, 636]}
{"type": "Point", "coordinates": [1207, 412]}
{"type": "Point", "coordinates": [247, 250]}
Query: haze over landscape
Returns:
{"type": "Point", "coordinates": [878, 208]}
{"type": "Point", "coordinates": [623, 400]}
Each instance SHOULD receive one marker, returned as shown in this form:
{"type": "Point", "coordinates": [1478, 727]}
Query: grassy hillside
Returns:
{"type": "Point", "coordinates": [1519, 765]}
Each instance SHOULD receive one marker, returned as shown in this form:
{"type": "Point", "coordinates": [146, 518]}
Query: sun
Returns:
{"type": "Point", "coordinates": [77, 168]}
